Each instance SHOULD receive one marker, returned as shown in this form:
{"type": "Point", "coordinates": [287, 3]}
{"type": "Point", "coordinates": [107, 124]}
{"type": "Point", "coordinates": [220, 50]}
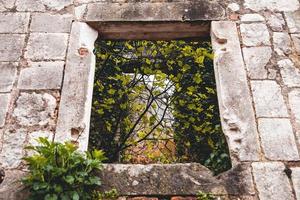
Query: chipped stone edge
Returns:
{"type": "Point", "coordinates": [76, 98]}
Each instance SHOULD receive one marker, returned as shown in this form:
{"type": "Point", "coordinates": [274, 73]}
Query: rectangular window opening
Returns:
{"type": "Point", "coordinates": [155, 98]}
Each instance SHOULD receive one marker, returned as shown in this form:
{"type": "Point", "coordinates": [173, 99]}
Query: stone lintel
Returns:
{"type": "Point", "coordinates": [159, 11]}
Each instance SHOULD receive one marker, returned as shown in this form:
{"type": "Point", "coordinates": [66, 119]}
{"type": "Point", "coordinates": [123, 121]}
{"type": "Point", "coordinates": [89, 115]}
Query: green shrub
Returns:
{"type": "Point", "coordinates": [205, 196]}
{"type": "Point", "coordinates": [59, 171]}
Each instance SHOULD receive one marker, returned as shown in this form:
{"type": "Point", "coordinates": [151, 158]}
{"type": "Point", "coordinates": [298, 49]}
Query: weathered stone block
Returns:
{"type": "Point", "coordinates": [13, 148]}
{"type": "Point", "coordinates": [35, 109]}
{"type": "Point", "coordinates": [282, 43]}
{"type": "Point", "coordinates": [48, 76]}
{"type": "Point", "coordinates": [148, 11]}
{"type": "Point", "coordinates": [296, 41]}
{"type": "Point", "coordinates": [252, 18]}
{"type": "Point", "coordinates": [4, 102]}
{"type": "Point", "coordinates": [278, 140]}
{"type": "Point", "coordinates": [275, 21]}
{"type": "Point", "coordinates": [76, 98]}
{"type": "Point", "coordinates": [42, 5]}
{"type": "Point", "coordinates": [236, 110]}
{"type": "Point", "coordinates": [271, 181]}
{"type": "Point", "coordinates": [268, 99]}
{"type": "Point", "coordinates": [8, 73]}
{"type": "Point", "coordinates": [255, 34]}
{"type": "Point", "coordinates": [294, 101]}
{"type": "Point", "coordinates": [14, 22]}
{"type": "Point", "coordinates": [43, 46]}
{"type": "Point", "coordinates": [274, 5]}
{"type": "Point", "coordinates": [11, 46]}
{"type": "Point", "coordinates": [293, 21]}
{"type": "Point", "coordinates": [51, 23]}
{"type": "Point", "coordinates": [290, 73]}
{"type": "Point", "coordinates": [296, 180]}
{"type": "Point", "coordinates": [256, 59]}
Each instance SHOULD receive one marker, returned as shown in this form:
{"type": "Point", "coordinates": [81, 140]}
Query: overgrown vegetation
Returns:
{"type": "Point", "coordinates": [155, 101]}
{"type": "Point", "coordinates": [205, 196]}
{"type": "Point", "coordinates": [59, 172]}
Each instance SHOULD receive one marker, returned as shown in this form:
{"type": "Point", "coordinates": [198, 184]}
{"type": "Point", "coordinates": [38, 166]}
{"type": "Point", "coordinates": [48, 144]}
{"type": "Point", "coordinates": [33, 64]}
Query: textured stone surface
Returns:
{"type": "Point", "coordinates": [294, 101]}
{"type": "Point", "coordinates": [236, 110]}
{"type": "Point", "coordinates": [275, 21]}
{"type": "Point", "coordinates": [43, 46]}
{"type": "Point", "coordinates": [11, 46]}
{"type": "Point", "coordinates": [76, 98]}
{"type": "Point", "coordinates": [293, 21]}
{"type": "Point", "coordinates": [290, 74]}
{"type": "Point", "coordinates": [256, 59]}
{"type": "Point", "coordinates": [180, 179]}
{"type": "Point", "coordinates": [274, 5]}
{"type": "Point", "coordinates": [14, 22]}
{"type": "Point", "coordinates": [268, 99]}
{"type": "Point", "coordinates": [296, 180]}
{"type": "Point", "coordinates": [255, 34]}
{"type": "Point", "coordinates": [278, 140]}
{"type": "Point", "coordinates": [11, 188]}
{"type": "Point", "coordinates": [41, 5]}
{"type": "Point", "coordinates": [8, 72]}
{"type": "Point", "coordinates": [51, 23]}
{"type": "Point", "coordinates": [282, 43]}
{"type": "Point", "coordinates": [12, 149]}
{"type": "Point", "coordinates": [271, 181]}
{"type": "Point", "coordinates": [49, 76]}
{"type": "Point", "coordinates": [252, 18]}
{"type": "Point", "coordinates": [171, 11]}
{"type": "Point", "coordinates": [35, 109]}
{"type": "Point", "coordinates": [4, 101]}
{"type": "Point", "coordinates": [296, 41]}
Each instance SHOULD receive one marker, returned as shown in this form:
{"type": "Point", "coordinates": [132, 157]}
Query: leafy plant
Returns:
{"type": "Point", "coordinates": [59, 171]}
{"type": "Point", "coordinates": [205, 196]}
{"type": "Point", "coordinates": [156, 101]}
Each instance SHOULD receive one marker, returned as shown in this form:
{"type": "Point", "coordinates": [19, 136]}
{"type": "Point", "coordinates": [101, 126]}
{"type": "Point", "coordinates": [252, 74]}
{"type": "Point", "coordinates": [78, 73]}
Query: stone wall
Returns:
{"type": "Point", "coordinates": [46, 73]}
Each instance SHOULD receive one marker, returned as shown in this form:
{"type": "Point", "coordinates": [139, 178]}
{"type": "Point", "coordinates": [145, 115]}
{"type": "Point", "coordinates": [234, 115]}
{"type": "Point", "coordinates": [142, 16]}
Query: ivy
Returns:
{"type": "Point", "coordinates": [155, 101]}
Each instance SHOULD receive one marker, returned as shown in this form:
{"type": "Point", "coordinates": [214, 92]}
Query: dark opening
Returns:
{"type": "Point", "coordinates": [155, 101]}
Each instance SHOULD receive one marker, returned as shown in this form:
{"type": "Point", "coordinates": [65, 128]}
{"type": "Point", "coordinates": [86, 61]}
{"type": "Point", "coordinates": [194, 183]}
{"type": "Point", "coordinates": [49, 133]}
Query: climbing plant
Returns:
{"type": "Point", "coordinates": [156, 101]}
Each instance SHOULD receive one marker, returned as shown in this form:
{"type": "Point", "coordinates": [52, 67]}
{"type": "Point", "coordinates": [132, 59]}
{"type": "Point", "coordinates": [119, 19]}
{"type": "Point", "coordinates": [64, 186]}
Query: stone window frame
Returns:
{"type": "Point", "coordinates": [234, 97]}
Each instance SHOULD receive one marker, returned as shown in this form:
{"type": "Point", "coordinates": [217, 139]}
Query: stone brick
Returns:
{"type": "Point", "coordinates": [296, 180]}
{"type": "Point", "coordinates": [12, 150]}
{"type": "Point", "coordinates": [274, 5]}
{"type": "Point", "coordinates": [11, 46]}
{"type": "Point", "coordinates": [294, 101]}
{"type": "Point", "coordinates": [14, 22]}
{"type": "Point", "coordinates": [275, 21]}
{"type": "Point", "coordinates": [256, 59]}
{"type": "Point", "coordinates": [41, 5]}
{"type": "Point", "coordinates": [296, 41]}
{"type": "Point", "coordinates": [278, 140]}
{"type": "Point", "coordinates": [35, 109]}
{"type": "Point", "coordinates": [255, 34]}
{"type": "Point", "coordinates": [268, 99]}
{"type": "Point", "coordinates": [271, 181]}
{"type": "Point", "coordinates": [4, 102]}
{"type": "Point", "coordinates": [282, 43]}
{"type": "Point", "coordinates": [43, 46]}
{"type": "Point", "coordinates": [293, 21]}
{"type": "Point", "coordinates": [51, 23]}
{"type": "Point", "coordinates": [237, 113]}
{"type": "Point", "coordinates": [289, 72]}
{"type": "Point", "coordinates": [252, 18]}
{"type": "Point", "coordinates": [49, 76]}
{"type": "Point", "coordinates": [8, 73]}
